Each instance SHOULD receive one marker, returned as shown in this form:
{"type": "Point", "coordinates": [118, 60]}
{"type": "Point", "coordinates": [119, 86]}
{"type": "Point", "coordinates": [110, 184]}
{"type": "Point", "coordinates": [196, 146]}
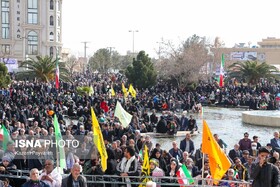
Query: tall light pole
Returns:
{"type": "Point", "coordinates": [85, 55]}
{"type": "Point", "coordinates": [110, 51]}
{"type": "Point", "coordinates": [133, 31]}
{"type": "Point", "coordinates": [159, 49]}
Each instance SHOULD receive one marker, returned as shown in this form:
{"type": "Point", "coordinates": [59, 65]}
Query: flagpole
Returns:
{"type": "Point", "coordinates": [202, 173]}
{"type": "Point", "coordinates": [57, 159]}
{"type": "Point", "coordinates": [203, 155]}
{"type": "Point", "coordinates": [57, 70]}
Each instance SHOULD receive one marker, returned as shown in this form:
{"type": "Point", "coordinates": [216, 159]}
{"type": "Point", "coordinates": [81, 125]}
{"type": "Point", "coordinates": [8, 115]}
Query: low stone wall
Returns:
{"type": "Point", "coordinates": [262, 118]}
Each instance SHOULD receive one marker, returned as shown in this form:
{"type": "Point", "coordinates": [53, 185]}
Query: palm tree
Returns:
{"type": "Point", "coordinates": [252, 71]}
{"type": "Point", "coordinates": [4, 76]}
{"type": "Point", "coordinates": [43, 69]}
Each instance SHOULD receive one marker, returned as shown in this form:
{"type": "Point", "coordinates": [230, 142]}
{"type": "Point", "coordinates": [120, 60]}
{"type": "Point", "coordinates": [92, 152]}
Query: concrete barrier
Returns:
{"type": "Point", "coordinates": [262, 118]}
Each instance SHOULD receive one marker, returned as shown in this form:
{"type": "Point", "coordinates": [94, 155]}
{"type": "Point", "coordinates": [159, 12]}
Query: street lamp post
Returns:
{"type": "Point", "coordinates": [159, 49]}
{"type": "Point", "coordinates": [133, 31]}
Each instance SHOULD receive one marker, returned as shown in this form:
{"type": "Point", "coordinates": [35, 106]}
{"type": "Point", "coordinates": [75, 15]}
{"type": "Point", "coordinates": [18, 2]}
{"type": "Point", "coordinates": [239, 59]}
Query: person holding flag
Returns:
{"type": "Point", "coordinates": [172, 170]}
{"type": "Point", "coordinates": [146, 170]}
{"type": "Point", "coordinates": [129, 166]}
{"type": "Point", "coordinates": [186, 173]}
{"type": "Point", "coordinates": [4, 136]}
{"type": "Point", "coordinates": [61, 161]}
{"type": "Point", "coordinates": [99, 141]}
{"type": "Point", "coordinates": [219, 163]}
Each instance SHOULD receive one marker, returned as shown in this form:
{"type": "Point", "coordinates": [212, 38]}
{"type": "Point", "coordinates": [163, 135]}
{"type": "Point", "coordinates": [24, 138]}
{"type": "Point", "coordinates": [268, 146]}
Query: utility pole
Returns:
{"type": "Point", "coordinates": [133, 31]}
{"type": "Point", "coordinates": [110, 51]}
{"type": "Point", "coordinates": [159, 49]}
{"type": "Point", "coordinates": [85, 55]}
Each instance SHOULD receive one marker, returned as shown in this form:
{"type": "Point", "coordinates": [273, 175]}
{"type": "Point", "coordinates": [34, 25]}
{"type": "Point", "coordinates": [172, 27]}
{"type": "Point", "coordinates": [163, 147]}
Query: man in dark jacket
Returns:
{"type": "Point", "coordinates": [236, 152]}
{"type": "Point", "coordinates": [187, 144]}
{"type": "Point", "coordinates": [265, 174]}
{"type": "Point", "coordinates": [34, 180]}
{"type": "Point", "coordinates": [129, 166]}
{"type": "Point", "coordinates": [74, 179]}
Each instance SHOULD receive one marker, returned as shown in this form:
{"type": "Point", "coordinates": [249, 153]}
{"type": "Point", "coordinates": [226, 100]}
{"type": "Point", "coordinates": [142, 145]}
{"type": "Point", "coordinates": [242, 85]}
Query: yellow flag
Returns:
{"type": "Point", "coordinates": [113, 92]}
{"type": "Point", "coordinates": [132, 91]}
{"type": "Point", "coordinates": [91, 91]}
{"type": "Point", "coordinates": [219, 163]}
{"type": "Point", "coordinates": [98, 140]}
{"type": "Point", "coordinates": [125, 93]}
{"type": "Point", "coordinates": [145, 168]}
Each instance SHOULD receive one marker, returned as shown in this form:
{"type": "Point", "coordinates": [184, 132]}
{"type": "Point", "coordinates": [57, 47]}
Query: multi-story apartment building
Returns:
{"type": "Point", "coordinates": [30, 28]}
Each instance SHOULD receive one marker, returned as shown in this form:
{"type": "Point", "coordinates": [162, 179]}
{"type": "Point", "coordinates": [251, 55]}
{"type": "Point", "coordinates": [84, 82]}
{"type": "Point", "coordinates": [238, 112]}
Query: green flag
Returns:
{"type": "Point", "coordinates": [4, 137]}
{"type": "Point", "coordinates": [184, 176]}
{"type": "Point", "coordinates": [58, 137]}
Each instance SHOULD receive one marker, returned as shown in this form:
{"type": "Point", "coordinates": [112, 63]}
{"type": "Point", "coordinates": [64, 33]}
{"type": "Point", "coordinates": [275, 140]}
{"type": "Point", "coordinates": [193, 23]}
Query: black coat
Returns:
{"type": "Point", "coordinates": [183, 145]}
{"type": "Point", "coordinates": [68, 181]}
{"type": "Point", "coordinates": [162, 126]}
{"type": "Point", "coordinates": [267, 176]}
{"type": "Point", "coordinates": [233, 154]}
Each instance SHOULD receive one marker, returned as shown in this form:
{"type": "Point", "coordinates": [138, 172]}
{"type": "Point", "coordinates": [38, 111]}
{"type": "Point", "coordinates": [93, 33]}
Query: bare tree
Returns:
{"type": "Point", "coordinates": [184, 63]}
{"type": "Point", "coordinates": [71, 64]}
{"type": "Point", "coordinates": [5, 53]}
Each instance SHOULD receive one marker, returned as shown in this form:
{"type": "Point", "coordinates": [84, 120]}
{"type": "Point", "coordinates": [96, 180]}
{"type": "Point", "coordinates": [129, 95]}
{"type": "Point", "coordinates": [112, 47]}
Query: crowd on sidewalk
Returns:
{"type": "Point", "coordinates": [28, 107]}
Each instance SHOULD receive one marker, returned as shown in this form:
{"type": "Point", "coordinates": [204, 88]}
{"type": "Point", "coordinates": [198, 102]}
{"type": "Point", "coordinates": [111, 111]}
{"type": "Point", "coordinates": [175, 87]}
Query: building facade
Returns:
{"type": "Point", "coordinates": [30, 28]}
{"type": "Point", "coordinates": [268, 51]}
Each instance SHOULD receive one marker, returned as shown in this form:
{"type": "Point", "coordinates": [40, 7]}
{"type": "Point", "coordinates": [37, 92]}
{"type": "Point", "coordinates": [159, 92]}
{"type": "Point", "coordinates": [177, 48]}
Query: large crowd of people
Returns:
{"type": "Point", "coordinates": [28, 107]}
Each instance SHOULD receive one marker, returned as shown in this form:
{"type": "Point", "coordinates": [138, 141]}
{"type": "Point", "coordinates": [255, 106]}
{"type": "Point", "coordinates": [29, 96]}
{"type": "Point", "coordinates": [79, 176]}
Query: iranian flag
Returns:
{"type": "Point", "coordinates": [4, 137]}
{"type": "Point", "coordinates": [221, 80]}
{"type": "Point", "coordinates": [57, 75]}
{"type": "Point", "coordinates": [184, 176]}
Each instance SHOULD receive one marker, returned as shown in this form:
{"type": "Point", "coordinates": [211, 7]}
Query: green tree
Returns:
{"type": "Point", "coordinates": [141, 73]}
{"type": "Point", "coordinates": [43, 69]}
{"type": "Point", "coordinates": [101, 60]}
{"type": "Point", "coordinates": [124, 62]}
{"type": "Point", "coordinates": [4, 76]}
{"type": "Point", "coordinates": [115, 59]}
{"type": "Point", "coordinates": [252, 71]}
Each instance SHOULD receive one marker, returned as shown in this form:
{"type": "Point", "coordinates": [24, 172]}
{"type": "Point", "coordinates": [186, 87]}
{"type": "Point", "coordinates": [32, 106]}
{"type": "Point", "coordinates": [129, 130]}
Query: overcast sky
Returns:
{"type": "Point", "coordinates": [105, 23]}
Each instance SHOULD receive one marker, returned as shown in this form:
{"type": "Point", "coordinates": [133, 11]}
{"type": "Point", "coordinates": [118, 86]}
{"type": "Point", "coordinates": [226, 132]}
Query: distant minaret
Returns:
{"type": "Point", "coordinates": [249, 44]}
{"type": "Point", "coordinates": [218, 42]}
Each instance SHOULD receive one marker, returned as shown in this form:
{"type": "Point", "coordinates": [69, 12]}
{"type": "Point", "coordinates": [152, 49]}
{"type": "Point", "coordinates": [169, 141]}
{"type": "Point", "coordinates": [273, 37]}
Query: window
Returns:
{"type": "Point", "coordinates": [5, 19]}
{"type": "Point", "coordinates": [32, 14]}
{"type": "Point", "coordinates": [6, 49]}
{"type": "Point", "coordinates": [51, 20]}
{"type": "Point", "coordinates": [51, 36]}
{"type": "Point", "coordinates": [51, 5]}
{"type": "Point", "coordinates": [32, 41]}
{"type": "Point", "coordinates": [51, 51]}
